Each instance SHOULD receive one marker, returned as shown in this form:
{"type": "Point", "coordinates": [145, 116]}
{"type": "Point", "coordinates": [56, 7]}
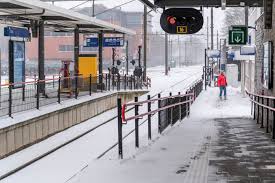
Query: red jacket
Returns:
{"type": "Point", "coordinates": [222, 80]}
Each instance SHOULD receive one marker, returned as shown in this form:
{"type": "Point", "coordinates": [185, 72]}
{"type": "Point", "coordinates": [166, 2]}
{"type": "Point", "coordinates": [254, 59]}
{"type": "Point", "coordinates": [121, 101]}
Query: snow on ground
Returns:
{"type": "Point", "coordinates": [68, 161]}
{"type": "Point", "coordinates": [181, 147]}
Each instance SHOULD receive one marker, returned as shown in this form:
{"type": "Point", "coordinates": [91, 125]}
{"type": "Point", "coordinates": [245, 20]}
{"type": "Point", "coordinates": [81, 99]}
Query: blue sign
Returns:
{"type": "Point", "coordinates": [92, 42]}
{"type": "Point", "coordinates": [107, 42]}
{"type": "Point", "coordinates": [16, 32]}
{"type": "Point", "coordinates": [113, 42]}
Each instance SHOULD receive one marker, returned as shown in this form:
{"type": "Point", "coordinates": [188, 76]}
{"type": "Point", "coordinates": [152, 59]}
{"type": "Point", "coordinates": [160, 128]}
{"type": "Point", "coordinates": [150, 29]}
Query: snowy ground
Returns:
{"type": "Point", "coordinates": [180, 154]}
{"type": "Point", "coordinates": [64, 164]}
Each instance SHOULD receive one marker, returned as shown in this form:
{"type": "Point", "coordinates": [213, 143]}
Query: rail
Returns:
{"type": "Point", "coordinates": [261, 106]}
{"type": "Point", "coordinates": [170, 109]}
{"type": "Point", "coordinates": [22, 96]}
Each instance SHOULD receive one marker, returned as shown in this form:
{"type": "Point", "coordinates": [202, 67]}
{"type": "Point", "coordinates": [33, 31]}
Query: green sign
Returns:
{"type": "Point", "coordinates": [238, 35]}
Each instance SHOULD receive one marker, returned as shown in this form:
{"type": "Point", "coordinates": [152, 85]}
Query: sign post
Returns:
{"type": "Point", "coordinates": [238, 35]}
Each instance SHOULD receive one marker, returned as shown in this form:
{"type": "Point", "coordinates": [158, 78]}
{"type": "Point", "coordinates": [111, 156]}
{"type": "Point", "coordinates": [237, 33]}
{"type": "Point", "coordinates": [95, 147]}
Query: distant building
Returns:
{"type": "Point", "coordinates": [59, 45]}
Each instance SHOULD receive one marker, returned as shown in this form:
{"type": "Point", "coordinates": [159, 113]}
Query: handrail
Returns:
{"type": "Point", "coordinates": [157, 110]}
{"type": "Point", "coordinates": [157, 99]}
{"type": "Point", "coordinates": [41, 81]}
{"type": "Point", "coordinates": [262, 96]}
{"type": "Point", "coordinates": [258, 95]}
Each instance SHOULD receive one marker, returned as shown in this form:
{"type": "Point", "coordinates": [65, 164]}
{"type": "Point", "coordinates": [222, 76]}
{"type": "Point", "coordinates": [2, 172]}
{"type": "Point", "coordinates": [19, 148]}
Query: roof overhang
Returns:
{"type": "Point", "coordinates": [149, 4]}
{"type": "Point", "coordinates": [21, 12]}
{"type": "Point", "coordinates": [207, 3]}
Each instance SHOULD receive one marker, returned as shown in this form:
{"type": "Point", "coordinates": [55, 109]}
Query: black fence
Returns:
{"type": "Point", "coordinates": [17, 97]}
{"type": "Point", "coordinates": [263, 110]}
{"type": "Point", "coordinates": [170, 109]}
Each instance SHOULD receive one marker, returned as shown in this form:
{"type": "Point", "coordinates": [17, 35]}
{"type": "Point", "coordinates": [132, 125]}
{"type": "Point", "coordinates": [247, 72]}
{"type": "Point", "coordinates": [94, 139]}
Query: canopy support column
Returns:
{"type": "Point", "coordinates": [76, 51]}
{"type": "Point", "coordinates": [41, 57]}
{"type": "Point", "coordinates": [100, 59]}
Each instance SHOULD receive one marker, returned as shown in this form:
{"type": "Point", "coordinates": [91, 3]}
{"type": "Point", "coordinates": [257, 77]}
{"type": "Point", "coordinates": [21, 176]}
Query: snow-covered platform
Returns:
{"type": "Point", "coordinates": [218, 143]}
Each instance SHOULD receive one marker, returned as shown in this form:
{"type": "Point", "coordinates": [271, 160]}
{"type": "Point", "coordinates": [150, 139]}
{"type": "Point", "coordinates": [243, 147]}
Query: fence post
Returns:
{"type": "Point", "coordinates": [171, 109]}
{"type": "Point", "coordinates": [131, 82]}
{"type": "Point", "coordinates": [59, 89]}
{"type": "Point", "coordinates": [106, 81]}
{"type": "Point", "coordinates": [90, 84]}
{"type": "Point", "coordinates": [134, 82]}
{"type": "Point", "coordinates": [262, 122]}
{"type": "Point", "coordinates": [273, 125]}
{"type": "Point", "coordinates": [258, 111]}
{"type": "Point", "coordinates": [159, 102]}
{"type": "Point", "coordinates": [149, 118]}
{"type": "Point", "coordinates": [76, 85]}
{"type": "Point", "coordinates": [136, 123]}
{"type": "Point", "coordinates": [254, 106]}
{"type": "Point", "coordinates": [117, 83]}
{"type": "Point", "coordinates": [37, 93]}
{"type": "Point", "coordinates": [23, 92]}
{"type": "Point", "coordinates": [180, 107]}
{"type": "Point", "coordinates": [53, 81]}
{"type": "Point", "coordinates": [10, 99]}
{"type": "Point", "coordinates": [109, 82]}
{"type": "Point", "coordinates": [187, 104]}
{"type": "Point", "coordinates": [119, 122]}
{"type": "Point", "coordinates": [267, 117]}
{"type": "Point", "coordinates": [125, 82]}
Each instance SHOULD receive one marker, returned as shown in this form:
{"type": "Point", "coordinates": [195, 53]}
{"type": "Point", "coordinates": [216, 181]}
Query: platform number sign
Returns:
{"type": "Point", "coordinates": [238, 35]}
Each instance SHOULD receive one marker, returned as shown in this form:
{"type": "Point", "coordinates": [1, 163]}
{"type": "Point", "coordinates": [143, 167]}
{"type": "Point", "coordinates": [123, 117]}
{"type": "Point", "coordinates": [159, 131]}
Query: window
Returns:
{"type": "Point", "coordinates": [58, 34]}
{"type": "Point", "coordinates": [70, 48]}
{"type": "Point", "coordinates": [66, 48]}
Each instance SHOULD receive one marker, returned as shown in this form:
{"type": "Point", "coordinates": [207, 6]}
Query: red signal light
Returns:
{"type": "Point", "coordinates": [171, 20]}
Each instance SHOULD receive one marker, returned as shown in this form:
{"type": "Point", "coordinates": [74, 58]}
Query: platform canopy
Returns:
{"type": "Point", "coordinates": [23, 12]}
{"type": "Point", "coordinates": [208, 3]}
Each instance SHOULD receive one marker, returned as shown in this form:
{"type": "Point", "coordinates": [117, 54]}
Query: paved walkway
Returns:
{"type": "Point", "coordinates": [218, 143]}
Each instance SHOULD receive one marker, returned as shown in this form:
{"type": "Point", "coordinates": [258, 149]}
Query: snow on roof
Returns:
{"type": "Point", "coordinates": [21, 11]}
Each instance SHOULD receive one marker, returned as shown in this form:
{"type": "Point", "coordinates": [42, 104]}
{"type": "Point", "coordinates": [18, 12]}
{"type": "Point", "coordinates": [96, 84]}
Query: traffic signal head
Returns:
{"type": "Point", "coordinates": [181, 21]}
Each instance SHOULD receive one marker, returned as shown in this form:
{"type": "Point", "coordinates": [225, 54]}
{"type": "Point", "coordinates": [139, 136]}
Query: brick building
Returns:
{"type": "Point", "coordinates": [59, 45]}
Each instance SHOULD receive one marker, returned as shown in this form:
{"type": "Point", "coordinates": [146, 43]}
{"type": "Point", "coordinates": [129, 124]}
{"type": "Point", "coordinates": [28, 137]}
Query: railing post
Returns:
{"type": "Point", "coordinates": [187, 105]}
{"type": "Point", "coordinates": [254, 106]}
{"type": "Point", "coordinates": [53, 81]}
{"type": "Point", "coordinates": [59, 89]}
{"type": "Point", "coordinates": [125, 82]}
{"type": "Point", "coordinates": [134, 82]}
{"type": "Point", "coordinates": [267, 116]}
{"type": "Point", "coordinates": [180, 107]}
{"type": "Point", "coordinates": [136, 124]}
{"type": "Point", "coordinates": [149, 118]}
{"type": "Point", "coordinates": [118, 82]}
{"type": "Point", "coordinates": [23, 92]}
{"type": "Point", "coordinates": [131, 82]}
{"type": "Point", "coordinates": [101, 84]}
{"type": "Point", "coordinates": [273, 125]}
{"type": "Point", "coordinates": [76, 86]}
{"type": "Point", "coordinates": [258, 111]}
{"type": "Point", "coordinates": [171, 109]}
{"type": "Point", "coordinates": [109, 82]}
{"type": "Point", "coordinates": [262, 121]}
{"type": "Point", "coordinates": [106, 81]}
{"type": "Point", "coordinates": [119, 122]}
{"type": "Point", "coordinates": [37, 93]}
{"type": "Point", "coordinates": [90, 84]}
{"type": "Point", "coordinates": [113, 81]}
{"type": "Point", "coordinates": [10, 99]}
{"type": "Point", "coordinates": [159, 103]}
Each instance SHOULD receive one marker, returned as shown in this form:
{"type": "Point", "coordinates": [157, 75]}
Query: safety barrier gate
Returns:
{"type": "Point", "coordinates": [170, 109]}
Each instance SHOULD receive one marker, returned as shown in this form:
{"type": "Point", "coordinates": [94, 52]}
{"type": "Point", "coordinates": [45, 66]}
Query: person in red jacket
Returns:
{"type": "Point", "coordinates": [222, 83]}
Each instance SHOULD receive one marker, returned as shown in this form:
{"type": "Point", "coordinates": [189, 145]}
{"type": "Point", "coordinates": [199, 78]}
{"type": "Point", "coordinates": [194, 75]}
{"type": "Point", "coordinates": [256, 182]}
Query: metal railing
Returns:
{"type": "Point", "coordinates": [170, 109]}
{"type": "Point", "coordinates": [18, 97]}
{"type": "Point", "coordinates": [261, 108]}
